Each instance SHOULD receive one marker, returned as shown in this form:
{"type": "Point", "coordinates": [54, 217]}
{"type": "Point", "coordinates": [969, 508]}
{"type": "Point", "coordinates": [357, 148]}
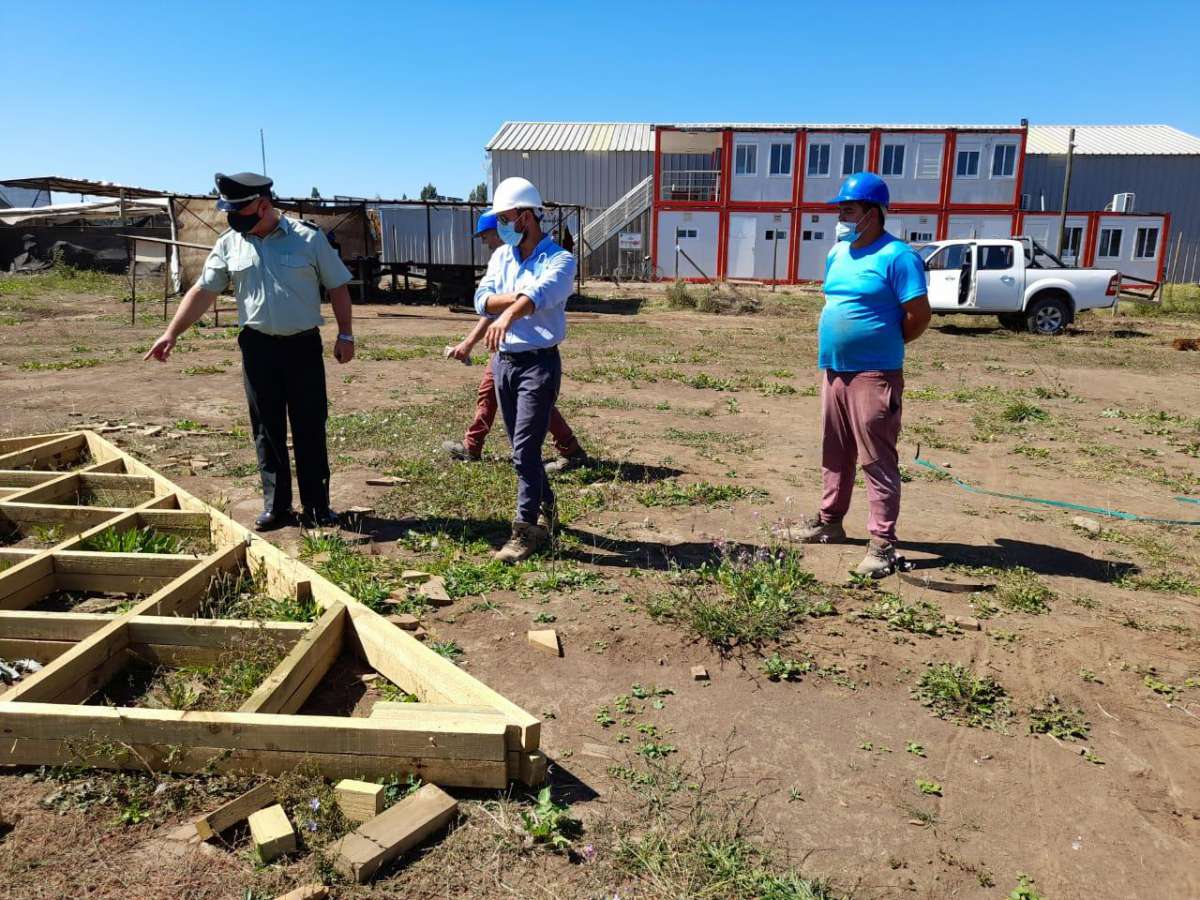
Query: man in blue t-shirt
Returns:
{"type": "Point", "coordinates": [875, 303]}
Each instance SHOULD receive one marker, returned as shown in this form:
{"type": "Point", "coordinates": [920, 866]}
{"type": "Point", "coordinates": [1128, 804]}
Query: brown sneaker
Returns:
{"type": "Point", "coordinates": [810, 531]}
{"type": "Point", "coordinates": [880, 560]}
{"type": "Point", "coordinates": [576, 460]}
{"type": "Point", "coordinates": [525, 541]}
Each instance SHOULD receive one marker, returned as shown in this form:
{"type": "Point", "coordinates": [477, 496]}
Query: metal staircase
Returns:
{"type": "Point", "coordinates": [617, 216]}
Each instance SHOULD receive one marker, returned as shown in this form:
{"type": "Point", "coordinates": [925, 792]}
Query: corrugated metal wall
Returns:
{"type": "Point", "coordinates": [1162, 184]}
{"type": "Point", "coordinates": [592, 179]}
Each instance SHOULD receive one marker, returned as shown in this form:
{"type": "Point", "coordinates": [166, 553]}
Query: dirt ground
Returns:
{"type": "Point", "coordinates": [1106, 619]}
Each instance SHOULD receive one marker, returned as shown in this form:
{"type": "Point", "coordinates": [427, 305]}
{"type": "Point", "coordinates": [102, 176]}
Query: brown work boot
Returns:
{"type": "Point", "coordinates": [458, 450]}
{"type": "Point", "coordinates": [880, 560]}
{"type": "Point", "coordinates": [525, 540]}
{"type": "Point", "coordinates": [810, 531]}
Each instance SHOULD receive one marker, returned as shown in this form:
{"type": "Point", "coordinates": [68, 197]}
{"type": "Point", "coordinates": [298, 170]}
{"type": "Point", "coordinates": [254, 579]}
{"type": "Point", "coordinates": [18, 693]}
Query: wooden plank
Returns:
{"type": "Point", "coordinates": [215, 633]}
{"type": "Point", "coordinates": [364, 852]}
{"type": "Point", "coordinates": [272, 833]}
{"type": "Point", "coordinates": [226, 816]}
{"type": "Point", "coordinates": [50, 626]}
{"type": "Point", "coordinates": [69, 516]}
{"type": "Point", "coordinates": [24, 478]}
{"type": "Point", "coordinates": [384, 708]}
{"type": "Point", "coordinates": [55, 451]}
{"type": "Point", "coordinates": [66, 484]}
{"type": "Point", "coordinates": [174, 521]}
{"type": "Point", "coordinates": [20, 442]}
{"type": "Point", "coordinates": [27, 648]}
{"type": "Point", "coordinates": [85, 562]}
{"type": "Point", "coordinates": [14, 555]}
{"type": "Point", "coordinates": [17, 578]}
{"type": "Point", "coordinates": [466, 773]}
{"type": "Point", "coordinates": [182, 595]}
{"type": "Point", "coordinates": [78, 673]}
{"type": "Point", "coordinates": [298, 673]}
{"type": "Point", "coordinates": [435, 735]}
{"type": "Point", "coordinates": [401, 658]}
{"type": "Point", "coordinates": [359, 800]}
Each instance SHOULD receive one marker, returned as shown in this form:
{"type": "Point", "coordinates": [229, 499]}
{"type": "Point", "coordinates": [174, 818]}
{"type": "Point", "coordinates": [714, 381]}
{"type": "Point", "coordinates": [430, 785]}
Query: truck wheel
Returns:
{"type": "Point", "coordinates": [1049, 315]}
{"type": "Point", "coordinates": [1012, 321]}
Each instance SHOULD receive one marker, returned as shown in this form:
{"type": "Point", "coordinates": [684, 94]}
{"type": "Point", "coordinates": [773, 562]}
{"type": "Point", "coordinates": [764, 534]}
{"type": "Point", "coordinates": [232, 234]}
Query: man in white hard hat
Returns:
{"type": "Point", "coordinates": [524, 294]}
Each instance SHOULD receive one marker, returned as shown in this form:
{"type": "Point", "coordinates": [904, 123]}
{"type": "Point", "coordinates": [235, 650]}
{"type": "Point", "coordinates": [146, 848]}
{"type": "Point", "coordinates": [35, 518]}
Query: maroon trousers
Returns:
{"type": "Point", "coordinates": [860, 419]}
{"type": "Point", "coordinates": [485, 415]}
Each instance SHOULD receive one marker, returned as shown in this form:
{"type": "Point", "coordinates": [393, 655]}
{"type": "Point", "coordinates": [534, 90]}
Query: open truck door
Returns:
{"type": "Point", "coordinates": [950, 277]}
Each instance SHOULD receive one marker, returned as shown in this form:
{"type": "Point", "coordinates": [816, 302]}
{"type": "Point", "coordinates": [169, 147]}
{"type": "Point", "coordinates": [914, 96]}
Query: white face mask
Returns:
{"type": "Point", "coordinates": [848, 231]}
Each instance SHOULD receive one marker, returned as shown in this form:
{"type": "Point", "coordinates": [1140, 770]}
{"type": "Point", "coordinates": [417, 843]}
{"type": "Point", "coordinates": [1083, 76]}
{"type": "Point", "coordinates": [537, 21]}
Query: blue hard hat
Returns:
{"type": "Point", "coordinates": [865, 187]}
{"type": "Point", "coordinates": [487, 222]}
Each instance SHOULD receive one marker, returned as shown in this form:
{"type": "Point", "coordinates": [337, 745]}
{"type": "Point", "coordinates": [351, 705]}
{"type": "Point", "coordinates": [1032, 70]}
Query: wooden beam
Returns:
{"type": "Point", "coordinates": [237, 809]}
{"type": "Point", "coordinates": [50, 626]}
{"type": "Point", "coordinates": [78, 673]}
{"type": "Point", "coordinates": [467, 773]}
{"type": "Point", "coordinates": [435, 736]}
{"type": "Point", "coordinates": [91, 562]}
{"type": "Point", "coordinates": [359, 800]}
{"type": "Point", "coordinates": [26, 582]}
{"type": "Point", "coordinates": [361, 854]}
{"type": "Point", "coordinates": [67, 515]}
{"type": "Point", "coordinates": [215, 633]}
{"type": "Point", "coordinates": [14, 555]}
{"type": "Point", "coordinates": [25, 478]}
{"type": "Point", "coordinates": [65, 484]}
{"type": "Point", "coordinates": [182, 595]}
{"type": "Point", "coordinates": [11, 444]}
{"type": "Point", "coordinates": [28, 648]}
{"type": "Point", "coordinates": [298, 673]}
{"type": "Point", "coordinates": [55, 451]}
{"type": "Point", "coordinates": [401, 658]}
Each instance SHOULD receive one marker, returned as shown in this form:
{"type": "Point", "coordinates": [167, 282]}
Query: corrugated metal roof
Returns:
{"type": "Point", "coordinates": [1114, 140]}
{"type": "Point", "coordinates": [596, 136]}
{"type": "Point", "coordinates": [826, 126]}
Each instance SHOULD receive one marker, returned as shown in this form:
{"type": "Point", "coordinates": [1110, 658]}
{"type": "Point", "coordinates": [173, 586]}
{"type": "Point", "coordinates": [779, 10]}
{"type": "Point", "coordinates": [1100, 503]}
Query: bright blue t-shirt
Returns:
{"type": "Point", "coordinates": [859, 329]}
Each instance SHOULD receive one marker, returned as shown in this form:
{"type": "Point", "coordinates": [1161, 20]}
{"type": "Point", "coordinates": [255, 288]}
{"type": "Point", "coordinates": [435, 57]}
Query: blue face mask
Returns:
{"type": "Point", "coordinates": [508, 233]}
{"type": "Point", "coordinates": [846, 232]}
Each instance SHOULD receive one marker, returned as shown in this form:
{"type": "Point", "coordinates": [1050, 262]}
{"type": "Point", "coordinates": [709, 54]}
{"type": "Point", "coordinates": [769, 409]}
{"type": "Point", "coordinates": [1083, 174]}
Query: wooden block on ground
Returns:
{"type": "Point", "coordinates": [306, 892]}
{"type": "Point", "coordinates": [699, 673]}
{"type": "Point", "coordinates": [385, 481]}
{"type": "Point", "coordinates": [359, 800]}
{"type": "Point", "coordinates": [598, 750]}
{"type": "Point", "coordinates": [412, 576]}
{"type": "Point", "coordinates": [434, 590]}
{"type": "Point", "coordinates": [546, 639]}
{"type": "Point", "coordinates": [407, 621]}
{"type": "Point", "coordinates": [234, 811]}
{"type": "Point", "coordinates": [272, 833]}
{"type": "Point", "coordinates": [967, 623]}
{"type": "Point", "coordinates": [363, 852]}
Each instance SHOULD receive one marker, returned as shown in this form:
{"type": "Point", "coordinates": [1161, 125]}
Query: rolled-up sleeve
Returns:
{"type": "Point", "coordinates": [215, 276]}
{"type": "Point", "coordinates": [552, 286]}
{"type": "Point", "coordinates": [330, 268]}
{"type": "Point", "coordinates": [488, 285]}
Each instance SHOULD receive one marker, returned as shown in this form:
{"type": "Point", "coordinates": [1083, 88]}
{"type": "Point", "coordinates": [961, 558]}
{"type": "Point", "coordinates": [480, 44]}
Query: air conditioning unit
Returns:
{"type": "Point", "coordinates": [1122, 203]}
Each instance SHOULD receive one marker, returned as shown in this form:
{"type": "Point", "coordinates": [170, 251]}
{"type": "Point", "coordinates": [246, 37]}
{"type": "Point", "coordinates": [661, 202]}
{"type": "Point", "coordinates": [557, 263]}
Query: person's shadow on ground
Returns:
{"type": "Point", "coordinates": [1007, 552]}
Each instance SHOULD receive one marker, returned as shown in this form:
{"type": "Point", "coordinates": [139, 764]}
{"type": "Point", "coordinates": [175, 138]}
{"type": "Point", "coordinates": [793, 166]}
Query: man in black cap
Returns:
{"type": "Point", "coordinates": [277, 267]}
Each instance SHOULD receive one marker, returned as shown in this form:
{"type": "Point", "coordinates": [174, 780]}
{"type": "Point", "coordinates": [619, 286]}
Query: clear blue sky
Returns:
{"type": "Point", "coordinates": [378, 98]}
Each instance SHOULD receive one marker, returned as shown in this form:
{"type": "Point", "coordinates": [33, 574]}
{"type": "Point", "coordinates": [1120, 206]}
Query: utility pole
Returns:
{"type": "Point", "coordinates": [262, 145]}
{"type": "Point", "coordinates": [1062, 216]}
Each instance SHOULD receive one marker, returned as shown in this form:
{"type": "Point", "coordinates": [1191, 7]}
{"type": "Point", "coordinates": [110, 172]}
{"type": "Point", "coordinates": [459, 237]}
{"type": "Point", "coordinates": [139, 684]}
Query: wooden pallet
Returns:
{"type": "Point", "coordinates": [461, 733]}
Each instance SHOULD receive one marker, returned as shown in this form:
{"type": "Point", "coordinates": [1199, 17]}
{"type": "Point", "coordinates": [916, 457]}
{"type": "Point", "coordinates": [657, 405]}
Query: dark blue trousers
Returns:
{"type": "Point", "coordinates": [526, 391]}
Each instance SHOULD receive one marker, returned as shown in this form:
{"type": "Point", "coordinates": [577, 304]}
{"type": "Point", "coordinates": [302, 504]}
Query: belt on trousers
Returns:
{"type": "Point", "coordinates": [527, 355]}
{"type": "Point", "coordinates": [284, 337]}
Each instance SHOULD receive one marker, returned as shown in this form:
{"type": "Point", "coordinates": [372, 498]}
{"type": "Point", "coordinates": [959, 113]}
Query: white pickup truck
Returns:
{"type": "Point", "coordinates": [1014, 279]}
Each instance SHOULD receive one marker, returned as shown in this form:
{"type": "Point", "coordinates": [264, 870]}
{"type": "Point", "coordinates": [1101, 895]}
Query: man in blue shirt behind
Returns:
{"type": "Point", "coordinates": [525, 294]}
{"type": "Point", "coordinates": [875, 303]}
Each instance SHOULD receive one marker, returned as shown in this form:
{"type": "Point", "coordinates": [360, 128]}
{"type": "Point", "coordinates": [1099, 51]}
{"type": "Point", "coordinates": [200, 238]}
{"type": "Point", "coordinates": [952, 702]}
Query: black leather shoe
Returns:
{"type": "Point", "coordinates": [269, 521]}
{"type": "Point", "coordinates": [320, 518]}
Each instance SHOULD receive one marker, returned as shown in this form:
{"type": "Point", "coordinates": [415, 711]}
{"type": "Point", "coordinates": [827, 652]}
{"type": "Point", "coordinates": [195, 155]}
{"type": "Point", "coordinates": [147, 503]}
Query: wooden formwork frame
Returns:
{"type": "Point", "coordinates": [460, 733]}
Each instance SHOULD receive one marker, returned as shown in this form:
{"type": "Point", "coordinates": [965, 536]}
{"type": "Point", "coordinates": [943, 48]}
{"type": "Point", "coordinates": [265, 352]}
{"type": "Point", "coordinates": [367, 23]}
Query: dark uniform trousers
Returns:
{"type": "Point", "coordinates": [285, 380]}
{"type": "Point", "coordinates": [527, 386]}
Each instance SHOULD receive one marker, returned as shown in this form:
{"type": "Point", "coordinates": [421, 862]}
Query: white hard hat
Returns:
{"type": "Point", "coordinates": [515, 193]}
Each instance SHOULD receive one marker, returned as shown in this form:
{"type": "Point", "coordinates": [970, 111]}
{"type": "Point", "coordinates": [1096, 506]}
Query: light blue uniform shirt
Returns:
{"type": "Point", "coordinates": [545, 278]}
{"type": "Point", "coordinates": [277, 279]}
{"type": "Point", "coordinates": [865, 289]}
